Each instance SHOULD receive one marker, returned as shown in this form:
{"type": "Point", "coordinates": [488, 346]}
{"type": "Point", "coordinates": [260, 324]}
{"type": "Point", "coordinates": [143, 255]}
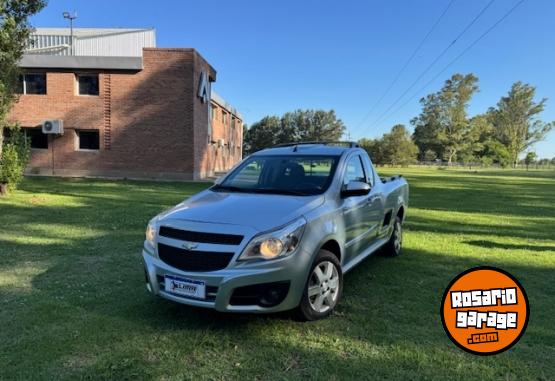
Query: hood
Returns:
{"type": "Point", "coordinates": [259, 211]}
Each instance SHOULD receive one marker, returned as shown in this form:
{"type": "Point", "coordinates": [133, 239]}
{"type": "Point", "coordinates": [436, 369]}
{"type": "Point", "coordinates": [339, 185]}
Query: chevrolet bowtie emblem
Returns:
{"type": "Point", "coordinates": [190, 245]}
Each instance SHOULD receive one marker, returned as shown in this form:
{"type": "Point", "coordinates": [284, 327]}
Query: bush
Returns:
{"type": "Point", "coordinates": [15, 156]}
{"type": "Point", "coordinates": [486, 161]}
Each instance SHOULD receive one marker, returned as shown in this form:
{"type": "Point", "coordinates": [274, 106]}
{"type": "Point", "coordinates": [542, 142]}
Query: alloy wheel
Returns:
{"type": "Point", "coordinates": [323, 287]}
{"type": "Point", "coordinates": [397, 237]}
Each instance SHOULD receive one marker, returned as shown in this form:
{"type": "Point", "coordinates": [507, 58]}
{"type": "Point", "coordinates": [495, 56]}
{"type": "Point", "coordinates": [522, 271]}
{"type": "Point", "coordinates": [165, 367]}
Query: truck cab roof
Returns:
{"type": "Point", "coordinates": [310, 148]}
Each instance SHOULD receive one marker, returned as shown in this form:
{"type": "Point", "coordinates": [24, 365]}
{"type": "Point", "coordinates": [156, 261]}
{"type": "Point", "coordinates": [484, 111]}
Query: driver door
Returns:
{"type": "Point", "coordinates": [357, 216]}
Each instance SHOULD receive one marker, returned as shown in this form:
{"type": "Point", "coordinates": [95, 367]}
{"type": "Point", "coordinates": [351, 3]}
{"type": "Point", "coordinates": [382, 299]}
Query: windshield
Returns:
{"type": "Point", "coordinates": [295, 175]}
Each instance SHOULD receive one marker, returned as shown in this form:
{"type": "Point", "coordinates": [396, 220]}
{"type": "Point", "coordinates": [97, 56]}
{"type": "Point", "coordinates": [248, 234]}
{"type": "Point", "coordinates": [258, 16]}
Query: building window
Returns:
{"type": "Point", "coordinates": [88, 140]}
{"type": "Point", "coordinates": [233, 122]}
{"type": "Point", "coordinates": [87, 84]}
{"type": "Point", "coordinates": [37, 139]}
{"type": "Point", "coordinates": [32, 83]}
{"type": "Point", "coordinates": [224, 118]}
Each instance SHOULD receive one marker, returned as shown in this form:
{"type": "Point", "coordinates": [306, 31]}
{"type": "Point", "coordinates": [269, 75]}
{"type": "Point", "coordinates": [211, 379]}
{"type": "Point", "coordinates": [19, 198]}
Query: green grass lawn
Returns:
{"type": "Point", "coordinates": [74, 306]}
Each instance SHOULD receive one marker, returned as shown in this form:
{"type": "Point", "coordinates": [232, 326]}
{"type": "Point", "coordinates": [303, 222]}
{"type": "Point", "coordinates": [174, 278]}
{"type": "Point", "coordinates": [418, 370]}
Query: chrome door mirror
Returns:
{"type": "Point", "coordinates": [355, 188]}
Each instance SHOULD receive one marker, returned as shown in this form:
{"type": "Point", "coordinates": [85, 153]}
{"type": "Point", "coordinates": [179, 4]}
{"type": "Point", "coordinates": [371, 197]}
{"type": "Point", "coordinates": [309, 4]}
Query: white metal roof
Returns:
{"type": "Point", "coordinates": [86, 32]}
{"type": "Point", "coordinates": [94, 42]}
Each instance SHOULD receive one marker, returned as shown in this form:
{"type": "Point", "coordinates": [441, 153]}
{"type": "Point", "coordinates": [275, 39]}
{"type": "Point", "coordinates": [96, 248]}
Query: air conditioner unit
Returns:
{"type": "Point", "coordinates": [55, 126]}
{"type": "Point", "coordinates": [221, 142]}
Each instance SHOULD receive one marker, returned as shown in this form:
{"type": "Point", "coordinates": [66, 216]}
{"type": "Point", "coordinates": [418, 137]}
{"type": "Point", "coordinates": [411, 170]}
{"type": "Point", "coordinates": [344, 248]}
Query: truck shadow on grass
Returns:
{"type": "Point", "coordinates": [509, 246]}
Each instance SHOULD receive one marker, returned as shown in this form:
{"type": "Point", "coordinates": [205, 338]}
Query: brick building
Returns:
{"type": "Point", "coordinates": [128, 109]}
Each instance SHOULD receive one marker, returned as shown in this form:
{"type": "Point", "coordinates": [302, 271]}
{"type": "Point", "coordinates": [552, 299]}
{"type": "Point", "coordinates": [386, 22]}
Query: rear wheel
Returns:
{"type": "Point", "coordinates": [323, 287]}
{"type": "Point", "coordinates": [393, 247]}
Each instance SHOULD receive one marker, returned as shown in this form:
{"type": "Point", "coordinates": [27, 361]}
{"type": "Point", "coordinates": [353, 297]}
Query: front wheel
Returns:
{"type": "Point", "coordinates": [323, 287]}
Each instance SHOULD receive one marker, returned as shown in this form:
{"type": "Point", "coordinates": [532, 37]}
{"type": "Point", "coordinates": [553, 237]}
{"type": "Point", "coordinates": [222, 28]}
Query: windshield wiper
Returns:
{"type": "Point", "coordinates": [228, 188]}
{"type": "Point", "coordinates": [231, 188]}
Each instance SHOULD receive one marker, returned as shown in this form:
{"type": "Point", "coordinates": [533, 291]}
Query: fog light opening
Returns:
{"type": "Point", "coordinates": [263, 295]}
{"type": "Point", "coordinates": [270, 297]}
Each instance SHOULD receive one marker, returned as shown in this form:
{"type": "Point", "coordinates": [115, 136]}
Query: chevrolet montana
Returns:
{"type": "Point", "coordinates": [277, 232]}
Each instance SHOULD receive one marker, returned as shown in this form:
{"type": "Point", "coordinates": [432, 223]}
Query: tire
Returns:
{"type": "Point", "coordinates": [323, 288]}
{"type": "Point", "coordinates": [394, 246]}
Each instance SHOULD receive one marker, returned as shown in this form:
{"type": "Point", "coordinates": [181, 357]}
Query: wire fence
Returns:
{"type": "Point", "coordinates": [471, 166]}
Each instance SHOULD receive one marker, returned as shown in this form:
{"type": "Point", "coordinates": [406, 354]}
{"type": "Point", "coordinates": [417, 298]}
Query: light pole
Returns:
{"type": "Point", "coordinates": [70, 17]}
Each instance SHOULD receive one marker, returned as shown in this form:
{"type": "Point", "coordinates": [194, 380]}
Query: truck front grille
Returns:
{"type": "Point", "coordinates": [191, 236]}
{"type": "Point", "coordinates": [188, 260]}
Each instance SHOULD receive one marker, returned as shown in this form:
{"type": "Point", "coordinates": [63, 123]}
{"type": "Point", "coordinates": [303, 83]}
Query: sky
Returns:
{"type": "Point", "coordinates": [278, 56]}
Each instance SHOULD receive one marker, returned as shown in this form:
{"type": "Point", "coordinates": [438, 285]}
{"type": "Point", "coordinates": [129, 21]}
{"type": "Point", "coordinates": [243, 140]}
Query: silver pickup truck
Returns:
{"type": "Point", "coordinates": [277, 232]}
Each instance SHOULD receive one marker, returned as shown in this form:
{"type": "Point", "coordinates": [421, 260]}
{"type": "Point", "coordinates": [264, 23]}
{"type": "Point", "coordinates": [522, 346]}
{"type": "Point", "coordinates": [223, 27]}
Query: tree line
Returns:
{"type": "Point", "coordinates": [443, 131]}
{"type": "Point", "coordinates": [296, 126]}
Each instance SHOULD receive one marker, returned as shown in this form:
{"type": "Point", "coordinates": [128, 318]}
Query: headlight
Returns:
{"type": "Point", "coordinates": [150, 235]}
{"type": "Point", "coordinates": [275, 244]}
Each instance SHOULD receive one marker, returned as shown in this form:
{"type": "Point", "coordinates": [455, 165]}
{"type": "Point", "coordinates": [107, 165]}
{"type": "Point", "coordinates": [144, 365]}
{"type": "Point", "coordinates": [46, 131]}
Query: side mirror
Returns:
{"type": "Point", "coordinates": [355, 188]}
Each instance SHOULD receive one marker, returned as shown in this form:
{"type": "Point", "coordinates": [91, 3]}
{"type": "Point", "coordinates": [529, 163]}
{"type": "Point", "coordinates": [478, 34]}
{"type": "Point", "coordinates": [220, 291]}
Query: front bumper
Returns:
{"type": "Point", "coordinates": [221, 284]}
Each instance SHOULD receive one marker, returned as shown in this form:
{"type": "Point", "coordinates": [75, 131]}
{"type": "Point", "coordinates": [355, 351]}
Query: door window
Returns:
{"type": "Point", "coordinates": [369, 169]}
{"type": "Point", "coordinates": [354, 171]}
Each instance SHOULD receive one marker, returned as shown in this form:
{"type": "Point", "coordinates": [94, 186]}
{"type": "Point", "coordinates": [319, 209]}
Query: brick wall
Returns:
{"type": "Point", "coordinates": [224, 157]}
{"type": "Point", "coordinates": [151, 122]}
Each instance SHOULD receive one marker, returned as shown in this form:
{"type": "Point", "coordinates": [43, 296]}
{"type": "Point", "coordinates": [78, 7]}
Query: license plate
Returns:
{"type": "Point", "coordinates": [186, 287]}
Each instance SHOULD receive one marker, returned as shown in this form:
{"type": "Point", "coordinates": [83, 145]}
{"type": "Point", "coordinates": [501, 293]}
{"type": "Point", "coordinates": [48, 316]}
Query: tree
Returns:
{"type": "Point", "coordinates": [262, 134]}
{"type": "Point", "coordinates": [497, 152]}
{"type": "Point", "coordinates": [484, 144]}
{"type": "Point", "coordinates": [486, 161]}
{"type": "Point", "coordinates": [374, 149]}
{"type": "Point", "coordinates": [14, 36]}
{"type": "Point", "coordinates": [443, 125]}
{"type": "Point", "coordinates": [398, 146]}
{"type": "Point", "coordinates": [467, 158]}
{"type": "Point", "coordinates": [311, 125]}
{"type": "Point", "coordinates": [15, 157]}
{"type": "Point", "coordinates": [455, 95]}
{"type": "Point", "coordinates": [296, 126]}
{"type": "Point", "coordinates": [515, 120]}
{"type": "Point", "coordinates": [427, 126]}
{"type": "Point", "coordinates": [530, 159]}
{"type": "Point", "coordinates": [395, 147]}
{"type": "Point", "coordinates": [429, 155]}
{"type": "Point", "coordinates": [478, 134]}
